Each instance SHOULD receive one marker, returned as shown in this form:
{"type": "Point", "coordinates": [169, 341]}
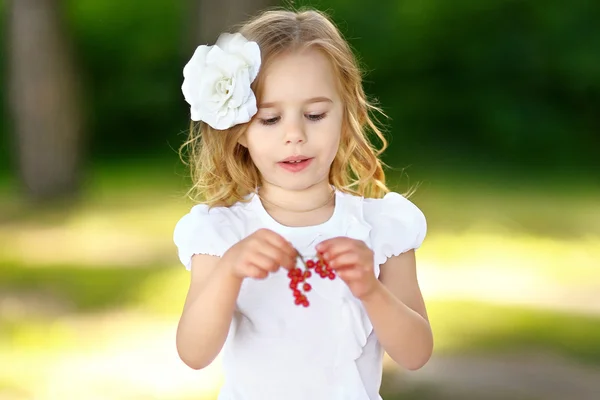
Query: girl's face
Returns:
{"type": "Point", "coordinates": [295, 135]}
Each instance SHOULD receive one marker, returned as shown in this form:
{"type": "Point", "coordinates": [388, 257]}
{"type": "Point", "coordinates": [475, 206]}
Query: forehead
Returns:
{"type": "Point", "coordinates": [297, 76]}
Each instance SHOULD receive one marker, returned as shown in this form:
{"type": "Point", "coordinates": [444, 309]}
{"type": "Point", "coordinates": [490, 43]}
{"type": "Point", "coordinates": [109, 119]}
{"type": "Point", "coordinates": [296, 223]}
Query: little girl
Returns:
{"type": "Point", "coordinates": [302, 262]}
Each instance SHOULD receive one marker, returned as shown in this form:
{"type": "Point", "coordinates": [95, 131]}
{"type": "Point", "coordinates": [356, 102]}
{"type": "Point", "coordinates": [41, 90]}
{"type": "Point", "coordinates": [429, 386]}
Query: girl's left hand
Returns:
{"type": "Point", "coordinates": [352, 260]}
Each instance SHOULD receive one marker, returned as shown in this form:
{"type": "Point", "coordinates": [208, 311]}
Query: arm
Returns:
{"type": "Point", "coordinates": [393, 302]}
{"type": "Point", "coordinates": [214, 288]}
{"type": "Point", "coordinates": [397, 311]}
{"type": "Point", "coordinates": [207, 312]}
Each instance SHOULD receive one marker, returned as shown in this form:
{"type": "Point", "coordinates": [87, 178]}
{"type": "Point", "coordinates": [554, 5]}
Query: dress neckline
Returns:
{"type": "Point", "coordinates": [269, 221]}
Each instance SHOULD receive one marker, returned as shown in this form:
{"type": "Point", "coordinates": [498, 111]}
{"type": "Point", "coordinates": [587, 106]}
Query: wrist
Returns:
{"type": "Point", "coordinates": [375, 292]}
{"type": "Point", "coordinates": [229, 274]}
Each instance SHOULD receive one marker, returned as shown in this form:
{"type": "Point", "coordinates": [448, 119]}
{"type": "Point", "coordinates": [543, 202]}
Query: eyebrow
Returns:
{"type": "Point", "coordinates": [309, 101]}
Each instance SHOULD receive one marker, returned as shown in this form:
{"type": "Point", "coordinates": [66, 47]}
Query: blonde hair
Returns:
{"type": "Point", "coordinates": [221, 169]}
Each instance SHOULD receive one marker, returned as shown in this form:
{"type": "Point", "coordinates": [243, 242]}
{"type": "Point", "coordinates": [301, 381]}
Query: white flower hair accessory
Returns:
{"type": "Point", "coordinates": [217, 81]}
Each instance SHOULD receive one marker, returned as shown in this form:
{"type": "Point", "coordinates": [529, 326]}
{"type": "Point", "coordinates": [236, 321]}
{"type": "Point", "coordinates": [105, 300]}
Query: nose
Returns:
{"type": "Point", "coordinates": [294, 132]}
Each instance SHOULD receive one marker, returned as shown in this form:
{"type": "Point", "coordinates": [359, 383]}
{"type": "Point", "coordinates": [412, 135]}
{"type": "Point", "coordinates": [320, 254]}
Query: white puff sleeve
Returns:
{"type": "Point", "coordinates": [397, 226]}
{"type": "Point", "coordinates": [204, 231]}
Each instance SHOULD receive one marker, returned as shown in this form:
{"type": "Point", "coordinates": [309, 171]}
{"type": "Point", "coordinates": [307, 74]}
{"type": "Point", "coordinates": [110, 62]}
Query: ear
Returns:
{"type": "Point", "coordinates": [242, 140]}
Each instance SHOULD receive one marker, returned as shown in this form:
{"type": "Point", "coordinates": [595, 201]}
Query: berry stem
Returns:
{"type": "Point", "coordinates": [301, 259]}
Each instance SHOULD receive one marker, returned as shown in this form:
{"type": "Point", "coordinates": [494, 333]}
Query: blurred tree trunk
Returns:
{"type": "Point", "coordinates": [208, 18]}
{"type": "Point", "coordinates": [44, 98]}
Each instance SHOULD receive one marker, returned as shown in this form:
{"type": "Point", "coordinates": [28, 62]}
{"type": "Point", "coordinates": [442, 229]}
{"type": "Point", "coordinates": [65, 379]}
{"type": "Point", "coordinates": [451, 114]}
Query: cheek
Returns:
{"type": "Point", "coordinates": [261, 151]}
{"type": "Point", "coordinates": [257, 153]}
{"type": "Point", "coordinates": [255, 142]}
{"type": "Point", "coordinates": [331, 140]}
{"type": "Point", "coordinates": [333, 145]}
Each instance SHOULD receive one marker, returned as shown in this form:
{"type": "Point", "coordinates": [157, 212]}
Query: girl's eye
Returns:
{"type": "Point", "coordinates": [311, 117]}
{"type": "Point", "coordinates": [316, 117]}
{"type": "Point", "coordinates": [270, 121]}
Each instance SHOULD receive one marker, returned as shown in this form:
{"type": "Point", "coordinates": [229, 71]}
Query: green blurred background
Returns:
{"type": "Point", "coordinates": [494, 117]}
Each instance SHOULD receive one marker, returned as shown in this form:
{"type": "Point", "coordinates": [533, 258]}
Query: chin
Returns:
{"type": "Point", "coordinates": [295, 184]}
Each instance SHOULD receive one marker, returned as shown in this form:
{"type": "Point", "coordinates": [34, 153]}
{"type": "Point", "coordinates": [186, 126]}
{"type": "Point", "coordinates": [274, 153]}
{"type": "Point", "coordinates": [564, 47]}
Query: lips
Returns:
{"type": "Point", "coordinates": [295, 163]}
{"type": "Point", "coordinates": [295, 159]}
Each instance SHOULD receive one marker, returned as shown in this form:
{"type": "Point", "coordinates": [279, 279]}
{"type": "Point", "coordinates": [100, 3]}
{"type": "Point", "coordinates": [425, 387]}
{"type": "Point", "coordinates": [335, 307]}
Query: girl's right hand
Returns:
{"type": "Point", "coordinates": [259, 254]}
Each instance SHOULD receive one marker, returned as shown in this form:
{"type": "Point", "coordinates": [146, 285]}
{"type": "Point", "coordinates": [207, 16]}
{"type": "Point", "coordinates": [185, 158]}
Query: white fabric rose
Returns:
{"type": "Point", "coordinates": [217, 81]}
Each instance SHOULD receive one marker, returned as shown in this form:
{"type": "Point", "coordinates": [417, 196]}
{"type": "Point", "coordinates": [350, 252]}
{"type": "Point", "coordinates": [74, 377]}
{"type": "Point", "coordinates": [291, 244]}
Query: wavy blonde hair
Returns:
{"type": "Point", "coordinates": [221, 169]}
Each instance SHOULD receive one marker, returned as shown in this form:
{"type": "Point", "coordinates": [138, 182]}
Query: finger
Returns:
{"type": "Point", "coordinates": [333, 249]}
{"type": "Point", "coordinates": [325, 245]}
{"type": "Point", "coordinates": [347, 259]}
{"type": "Point", "coordinates": [280, 257]}
{"type": "Point", "coordinates": [263, 261]}
{"type": "Point", "coordinates": [290, 262]}
{"type": "Point", "coordinates": [350, 274]}
{"type": "Point", "coordinates": [285, 253]}
{"type": "Point", "coordinates": [252, 271]}
{"type": "Point", "coordinates": [278, 241]}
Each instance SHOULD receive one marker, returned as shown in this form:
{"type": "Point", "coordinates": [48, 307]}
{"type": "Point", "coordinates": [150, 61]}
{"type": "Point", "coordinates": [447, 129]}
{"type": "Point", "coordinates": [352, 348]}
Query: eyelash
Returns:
{"type": "Point", "coordinates": [311, 118]}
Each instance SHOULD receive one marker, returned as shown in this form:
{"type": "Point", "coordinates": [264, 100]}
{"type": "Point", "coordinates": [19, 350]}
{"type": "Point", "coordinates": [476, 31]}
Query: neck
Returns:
{"type": "Point", "coordinates": [312, 198]}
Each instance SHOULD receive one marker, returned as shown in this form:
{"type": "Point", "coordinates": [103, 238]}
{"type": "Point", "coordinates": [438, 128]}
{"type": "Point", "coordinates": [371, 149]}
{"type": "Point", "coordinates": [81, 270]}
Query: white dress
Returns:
{"type": "Point", "coordinates": [277, 350]}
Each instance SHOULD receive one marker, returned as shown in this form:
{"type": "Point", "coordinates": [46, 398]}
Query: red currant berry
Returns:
{"type": "Point", "coordinates": [310, 264]}
{"type": "Point", "coordinates": [331, 275]}
{"type": "Point", "coordinates": [305, 303]}
{"type": "Point", "coordinates": [307, 274]}
{"type": "Point", "coordinates": [306, 287]}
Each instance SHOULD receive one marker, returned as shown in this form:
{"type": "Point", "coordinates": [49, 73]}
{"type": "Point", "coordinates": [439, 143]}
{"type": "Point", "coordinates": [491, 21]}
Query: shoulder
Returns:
{"type": "Point", "coordinates": [394, 207]}
{"type": "Point", "coordinates": [214, 215]}
{"type": "Point", "coordinates": [209, 230]}
{"type": "Point", "coordinates": [397, 225]}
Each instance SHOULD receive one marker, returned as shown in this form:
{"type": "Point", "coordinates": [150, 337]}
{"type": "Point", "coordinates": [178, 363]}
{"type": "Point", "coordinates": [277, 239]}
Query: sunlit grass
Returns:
{"type": "Point", "coordinates": [563, 206]}
{"type": "Point", "coordinates": [127, 214]}
{"type": "Point", "coordinates": [160, 292]}
{"type": "Point", "coordinates": [568, 261]}
{"type": "Point", "coordinates": [132, 351]}
{"type": "Point", "coordinates": [116, 355]}
{"type": "Point", "coordinates": [464, 328]}
{"type": "Point", "coordinates": [79, 289]}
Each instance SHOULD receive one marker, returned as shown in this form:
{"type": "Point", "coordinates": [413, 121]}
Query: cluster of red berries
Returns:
{"type": "Point", "coordinates": [299, 276]}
